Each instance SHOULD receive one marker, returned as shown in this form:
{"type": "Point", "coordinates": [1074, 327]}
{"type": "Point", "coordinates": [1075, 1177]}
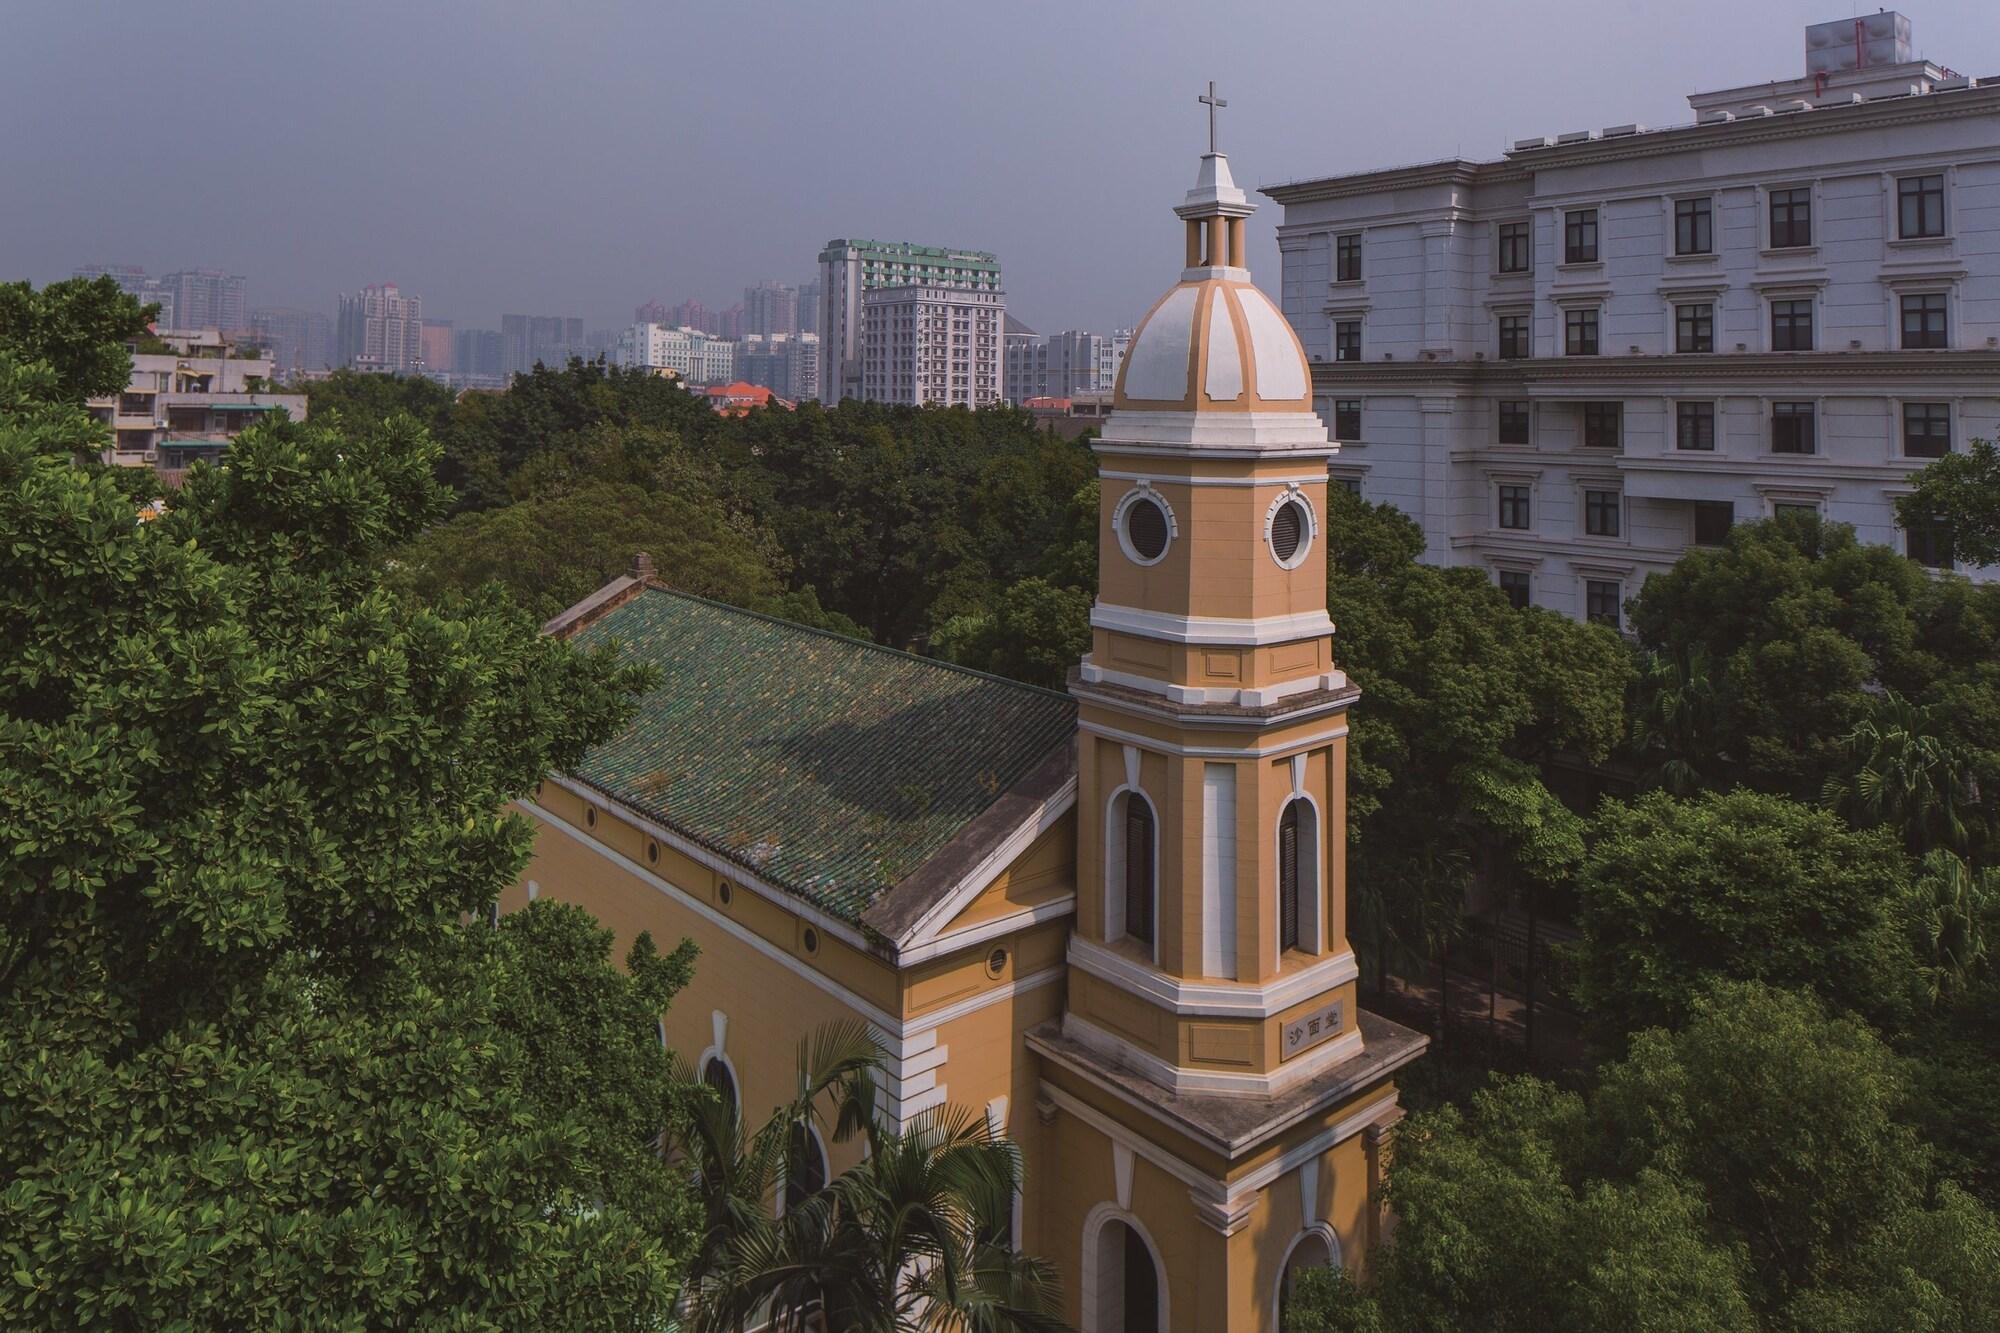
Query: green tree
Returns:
{"type": "Point", "coordinates": [911, 1237]}
{"type": "Point", "coordinates": [258, 1060]}
{"type": "Point", "coordinates": [1675, 893]}
{"type": "Point", "coordinates": [1959, 495]}
{"type": "Point", "coordinates": [78, 328]}
{"type": "Point", "coordinates": [1908, 772]}
{"type": "Point", "coordinates": [1036, 634]}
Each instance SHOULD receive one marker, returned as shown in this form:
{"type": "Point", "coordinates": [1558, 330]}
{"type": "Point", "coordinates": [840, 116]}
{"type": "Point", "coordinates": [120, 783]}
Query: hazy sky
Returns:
{"type": "Point", "coordinates": [581, 158]}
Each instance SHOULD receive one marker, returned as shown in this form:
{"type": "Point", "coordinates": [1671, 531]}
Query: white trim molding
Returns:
{"type": "Point", "coordinates": [1173, 1077]}
{"type": "Point", "coordinates": [1210, 629]}
{"type": "Point", "coordinates": [1098, 1288]}
{"type": "Point", "coordinates": [1213, 998]}
{"type": "Point", "coordinates": [981, 876]}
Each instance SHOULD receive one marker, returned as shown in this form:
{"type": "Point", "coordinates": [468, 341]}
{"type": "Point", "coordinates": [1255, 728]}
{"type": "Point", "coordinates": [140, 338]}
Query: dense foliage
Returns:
{"type": "Point", "coordinates": [263, 1062]}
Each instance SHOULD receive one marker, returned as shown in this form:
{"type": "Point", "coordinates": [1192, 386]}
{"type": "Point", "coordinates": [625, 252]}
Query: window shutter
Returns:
{"type": "Point", "coordinates": [1138, 868]}
{"type": "Point", "coordinates": [1288, 877]}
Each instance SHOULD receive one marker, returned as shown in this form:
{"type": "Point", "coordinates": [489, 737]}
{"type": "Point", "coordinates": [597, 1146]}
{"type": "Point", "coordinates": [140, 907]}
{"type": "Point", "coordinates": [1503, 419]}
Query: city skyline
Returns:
{"type": "Point", "coordinates": [720, 191]}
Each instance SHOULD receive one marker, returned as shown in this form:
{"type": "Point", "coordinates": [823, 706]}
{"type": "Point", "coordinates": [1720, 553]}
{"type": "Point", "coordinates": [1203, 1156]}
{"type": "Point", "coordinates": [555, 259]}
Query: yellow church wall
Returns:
{"type": "Point", "coordinates": [1043, 873]}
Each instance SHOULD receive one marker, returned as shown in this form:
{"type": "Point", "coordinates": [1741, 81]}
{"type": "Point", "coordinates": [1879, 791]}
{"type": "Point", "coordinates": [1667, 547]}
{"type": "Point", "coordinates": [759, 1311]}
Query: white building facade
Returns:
{"type": "Point", "coordinates": [686, 353]}
{"type": "Point", "coordinates": [850, 269]}
{"type": "Point", "coordinates": [1574, 364]}
{"type": "Point", "coordinates": [785, 363]}
{"type": "Point", "coordinates": [185, 403]}
{"type": "Point", "coordinates": [924, 345]}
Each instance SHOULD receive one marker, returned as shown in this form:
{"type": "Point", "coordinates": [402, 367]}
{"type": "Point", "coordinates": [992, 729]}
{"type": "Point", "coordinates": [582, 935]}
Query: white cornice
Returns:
{"type": "Point", "coordinates": [1213, 1082]}
{"type": "Point", "coordinates": [1160, 746]}
{"type": "Point", "coordinates": [1210, 629]}
{"type": "Point", "coordinates": [1213, 998]}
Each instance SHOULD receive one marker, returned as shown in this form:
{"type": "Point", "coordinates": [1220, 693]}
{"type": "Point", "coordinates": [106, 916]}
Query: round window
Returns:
{"type": "Point", "coordinates": [996, 962]}
{"type": "Point", "coordinates": [722, 892]}
{"type": "Point", "coordinates": [1290, 531]}
{"type": "Point", "coordinates": [590, 816]}
{"type": "Point", "coordinates": [652, 852]}
{"type": "Point", "coordinates": [811, 940]}
{"type": "Point", "coordinates": [1145, 526]}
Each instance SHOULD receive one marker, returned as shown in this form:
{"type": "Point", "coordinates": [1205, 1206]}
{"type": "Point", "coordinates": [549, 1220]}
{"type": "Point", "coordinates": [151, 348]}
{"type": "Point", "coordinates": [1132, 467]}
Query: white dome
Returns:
{"type": "Point", "coordinates": [1215, 344]}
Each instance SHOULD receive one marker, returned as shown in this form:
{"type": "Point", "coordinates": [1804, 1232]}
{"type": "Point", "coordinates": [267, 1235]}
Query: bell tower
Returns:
{"type": "Point", "coordinates": [1214, 1112]}
{"type": "Point", "coordinates": [1211, 948]}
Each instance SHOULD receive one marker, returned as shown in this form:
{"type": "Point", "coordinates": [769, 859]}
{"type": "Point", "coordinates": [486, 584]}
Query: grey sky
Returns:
{"type": "Point", "coordinates": [581, 158]}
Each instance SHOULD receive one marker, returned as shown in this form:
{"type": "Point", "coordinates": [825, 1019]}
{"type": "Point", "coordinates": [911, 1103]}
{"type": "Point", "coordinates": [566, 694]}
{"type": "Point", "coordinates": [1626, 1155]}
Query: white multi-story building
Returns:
{"type": "Point", "coordinates": [686, 353]}
{"type": "Point", "coordinates": [932, 345]}
{"type": "Point", "coordinates": [1071, 364]}
{"type": "Point", "coordinates": [849, 269]}
{"type": "Point", "coordinates": [785, 363]}
{"type": "Point", "coordinates": [380, 330]}
{"type": "Point", "coordinates": [1572, 364]}
{"type": "Point", "coordinates": [187, 398]}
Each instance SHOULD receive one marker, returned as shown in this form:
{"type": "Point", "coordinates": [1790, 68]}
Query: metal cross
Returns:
{"type": "Point", "coordinates": [1213, 103]}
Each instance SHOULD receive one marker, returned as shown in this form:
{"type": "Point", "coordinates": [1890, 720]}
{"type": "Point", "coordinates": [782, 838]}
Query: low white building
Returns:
{"type": "Point", "coordinates": [686, 353]}
{"type": "Point", "coordinates": [1572, 364]}
{"type": "Point", "coordinates": [932, 344]}
{"type": "Point", "coordinates": [189, 395]}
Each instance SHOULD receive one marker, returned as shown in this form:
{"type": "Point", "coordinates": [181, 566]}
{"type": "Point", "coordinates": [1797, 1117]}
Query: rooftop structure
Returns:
{"type": "Point", "coordinates": [188, 397]}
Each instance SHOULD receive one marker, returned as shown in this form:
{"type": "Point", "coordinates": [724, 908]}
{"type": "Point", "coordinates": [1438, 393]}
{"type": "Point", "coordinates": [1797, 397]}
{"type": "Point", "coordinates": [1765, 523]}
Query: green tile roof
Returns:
{"type": "Point", "coordinates": [828, 766]}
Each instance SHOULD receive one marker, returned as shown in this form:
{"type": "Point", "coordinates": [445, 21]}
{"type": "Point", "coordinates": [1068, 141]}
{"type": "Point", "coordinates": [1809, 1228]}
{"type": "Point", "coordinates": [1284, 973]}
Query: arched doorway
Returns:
{"type": "Point", "coordinates": [1127, 1295]}
{"type": "Point", "coordinates": [1317, 1248]}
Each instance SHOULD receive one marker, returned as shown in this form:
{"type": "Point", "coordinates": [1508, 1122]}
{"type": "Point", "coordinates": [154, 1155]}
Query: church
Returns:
{"type": "Point", "coordinates": [1114, 919]}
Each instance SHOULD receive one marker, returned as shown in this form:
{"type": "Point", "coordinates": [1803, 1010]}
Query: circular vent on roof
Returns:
{"type": "Point", "coordinates": [1289, 527]}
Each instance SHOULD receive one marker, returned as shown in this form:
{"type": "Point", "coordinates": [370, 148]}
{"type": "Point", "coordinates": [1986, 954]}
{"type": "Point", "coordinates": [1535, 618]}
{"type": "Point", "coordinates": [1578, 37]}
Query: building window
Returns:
{"type": "Point", "coordinates": [1601, 602]}
{"type": "Point", "coordinates": [1929, 545]}
{"type": "Point", "coordinates": [1926, 430]}
{"type": "Point", "coordinates": [1791, 217]}
{"type": "Point", "coordinates": [1712, 521]}
{"type": "Point", "coordinates": [1580, 331]}
{"type": "Point", "coordinates": [1600, 513]}
{"type": "Point", "coordinates": [1791, 326]}
{"type": "Point", "coordinates": [1514, 421]}
{"type": "Point", "coordinates": [1792, 428]}
{"type": "Point", "coordinates": [1144, 527]}
{"type": "Point", "coordinates": [1694, 227]}
{"type": "Point", "coordinates": [1514, 512]}
{"type": "Point", "coordinates": [1580, 236]}
{"type": "Point", "coordinates": [1923, 320]}
{"type": "Point", "coordinates": [1514, 583]}
{"type": "Point", "coordinates": [717, 1076]}
{"type": "Point", "coordinates": [1347, 340]}
{"type": "Point", "coordinates": [1138, 884]}
{"type": "Point", "coordinates": [1352, 485]}
{"type": "Point", "coordinates": [1694, 426]}
{"type": "Point", "coordinates": [806, 1171]}
{"type": "Point", "coordinates": [1920, 206]}
{"type": "Point", "coordinates": [1288, 876]}
{"type": "Point", "coordinates": [1347, 257]}
{"type": "Point", "coordinates": [1694, 327]}
{"type": "Point", "coordinates": [1291, 528]}
{"type": "Point", "coordinates": [1794, 509]}
{"type": "Point", "coordinates": [1516, 253]}
{"type": "Point", "coordinates": [1600, 424]}
{"type": "Point", "coordinates": [1515, 337]}
{"type": "Point", "coordinates": [1347, 418]}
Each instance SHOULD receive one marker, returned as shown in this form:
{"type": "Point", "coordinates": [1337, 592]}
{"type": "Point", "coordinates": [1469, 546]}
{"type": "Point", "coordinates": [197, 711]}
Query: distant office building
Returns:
{"type": "Point", "coordinates": [1572, 364]}
{"type": "Point", "coordinates": [809, 307]}
{"type": "Point", "coordinates": [380, 330]}
{"type": "Point", "coordinates": [787, 364]}
{"type": "Point", "coordinates": [848, 269]}
{"type": "Point", "coordinates": [296, 340]}
{"type": "Point", "coordinates": [1024, 358]}
{"type": "Point", "coordinates": [531, 340]}
{"type": "Point", "coordinates": [440, 346]}
{"type": "Point", "coordinates": [687, 354]}
{"type": "Point", "coordinates": [770, 308]}
{"type": "Point", "coordinates": [478, 359]}
{"type": "Point", "coordinates": [1110, 356]}
{"type": "Point", "coordinates": [208, 298]}
{"type": "Point", "coordinates": [689, 314]}
{"type": "Point", "coordinates": [132, 280]}
{"type": "Point", "coordinates": [185, 405]}
{"type": "Point", "coordinates": [597, 344]}
{"type": "Point", "coordinates": [653, 312]}
{"type": "Point", "coordinates": [931, 344]}
{"type": "Point", "coordinates": [729, 323]}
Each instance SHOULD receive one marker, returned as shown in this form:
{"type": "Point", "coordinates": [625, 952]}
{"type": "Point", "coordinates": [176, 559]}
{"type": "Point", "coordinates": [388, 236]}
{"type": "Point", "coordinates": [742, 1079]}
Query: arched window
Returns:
{"type": "Point", "coordinates": [1124, 1291]}
{"type": "Point", "coordinates": [1317, 1248]}
{"type": "Point", "coordinates": [808, 1171]}
{"type": "Point", "coordinates": [1139, 868]}
{"type": "Point", "coordinates": [1288, 876]}
{"type": "Point", "coordinates": [716, 1075]}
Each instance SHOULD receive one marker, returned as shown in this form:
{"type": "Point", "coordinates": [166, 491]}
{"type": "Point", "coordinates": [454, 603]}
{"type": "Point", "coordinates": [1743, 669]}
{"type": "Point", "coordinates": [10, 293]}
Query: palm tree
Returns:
{"type": "Point", "coordinates": [1951, 906]}
{"type": "Point", "coordinates": [1908, 773]}
{"type": "Point", "coordinates": [914, 1237]}
{"type": "Point", "coordinates": [1676, 709]}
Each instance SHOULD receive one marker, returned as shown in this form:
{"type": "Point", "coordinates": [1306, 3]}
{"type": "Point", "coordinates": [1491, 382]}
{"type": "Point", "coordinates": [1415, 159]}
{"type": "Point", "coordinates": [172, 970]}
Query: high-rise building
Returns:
{"type": "Point", "coordinates": [531, 340]}
{"type": "Point", "coordinates": [809, 306]}
{"type": "Point", "coordinates": [653, 312]}
{"type": "Point", "coordinates": [132, 280]}
{"type": "Point", "coordinates": [299, 341]}
{"type": "Point", "coordinates": [770, 308]}
{"type": "Point", "coordinates": [1573, 364]}
{"type": "Point", "coordinates": [1024, 358]}
{"type": "Point", "coordinates": [787, 364]}
{"type": "Point", "coordinates": [208, 298]}
{"type": "Point", "coordinates": [689, 314]}
{"type": "Point", "coordinates": [440, 347]}
{"type": "Point", "coordinates": [686, 354]}
{"type": "Point", "coordinates": [479, 359]}
{"type": "Point", "coordinates": [380, 330]}
{"type": "Point", "coordinates": [850, 268]}
{"type": "Point", "coordinates": [925, 344]}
